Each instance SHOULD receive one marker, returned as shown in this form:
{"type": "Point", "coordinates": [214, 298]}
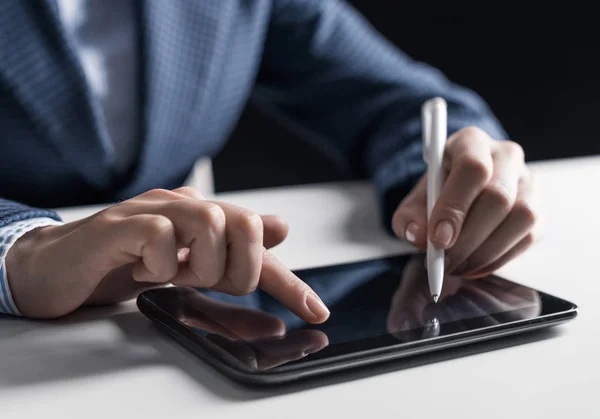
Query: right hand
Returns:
{"type": "Point", "coordinates": [412, 307]}
{"type": "Point", "coordinates": [156, 238]}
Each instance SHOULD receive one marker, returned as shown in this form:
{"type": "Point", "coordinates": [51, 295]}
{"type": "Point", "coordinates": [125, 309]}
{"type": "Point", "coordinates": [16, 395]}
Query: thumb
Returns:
{"type": "Point", "coordinates": [410, 219]}
{"type": "Point", "coordinates": [275, 230]}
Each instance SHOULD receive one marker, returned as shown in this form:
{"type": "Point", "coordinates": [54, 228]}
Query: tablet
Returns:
{"type": "Point", "coordinates": [381, 310]}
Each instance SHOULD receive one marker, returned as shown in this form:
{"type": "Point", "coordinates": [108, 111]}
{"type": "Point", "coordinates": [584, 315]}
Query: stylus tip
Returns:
{"type": "Point", "coordinates": [435, 298]}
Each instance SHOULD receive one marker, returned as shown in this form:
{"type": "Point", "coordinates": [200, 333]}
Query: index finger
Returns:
{"type": "Point", "coordinates": [471, 167]}
{"type": "Point", "coordinates": [291, 291]}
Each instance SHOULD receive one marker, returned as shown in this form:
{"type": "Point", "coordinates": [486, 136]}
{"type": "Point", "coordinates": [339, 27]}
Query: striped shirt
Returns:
{"type": "Point", "coordinates": [8, 236]}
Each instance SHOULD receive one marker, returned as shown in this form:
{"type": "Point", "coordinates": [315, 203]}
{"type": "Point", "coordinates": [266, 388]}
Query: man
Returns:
{"type": "Point", "coordinates": [115, 101]}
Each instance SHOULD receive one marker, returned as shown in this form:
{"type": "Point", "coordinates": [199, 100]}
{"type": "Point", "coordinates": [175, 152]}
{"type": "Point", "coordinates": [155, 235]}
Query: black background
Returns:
{"type": "Point", "coordinates": [537, 67]}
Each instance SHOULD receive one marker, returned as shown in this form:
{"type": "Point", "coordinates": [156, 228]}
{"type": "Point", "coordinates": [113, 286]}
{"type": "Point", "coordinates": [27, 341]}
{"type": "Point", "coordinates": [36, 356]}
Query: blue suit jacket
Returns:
{"type": "Point", "coordinates": [315, 62]}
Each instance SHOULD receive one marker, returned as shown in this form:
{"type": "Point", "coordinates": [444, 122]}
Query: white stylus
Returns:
{"type": "Point", "coordinates": [435, 132]}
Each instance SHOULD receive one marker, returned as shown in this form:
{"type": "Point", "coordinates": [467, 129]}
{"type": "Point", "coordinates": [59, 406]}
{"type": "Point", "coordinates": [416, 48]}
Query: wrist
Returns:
{"type": "Point", "coordinates": [21, 265]}
{"type": "Point", "coordinates": [21, 253]}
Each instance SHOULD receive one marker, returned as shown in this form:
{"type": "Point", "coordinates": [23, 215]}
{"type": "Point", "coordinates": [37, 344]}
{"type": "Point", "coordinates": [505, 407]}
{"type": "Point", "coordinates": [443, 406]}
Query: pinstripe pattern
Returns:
{"type": "Point", "coordinates": [315, 63]}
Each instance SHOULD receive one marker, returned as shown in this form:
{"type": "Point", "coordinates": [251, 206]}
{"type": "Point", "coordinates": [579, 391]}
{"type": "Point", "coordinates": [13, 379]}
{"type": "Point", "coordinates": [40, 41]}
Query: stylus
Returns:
{"type": "Point", "coordinates": [435, 130]}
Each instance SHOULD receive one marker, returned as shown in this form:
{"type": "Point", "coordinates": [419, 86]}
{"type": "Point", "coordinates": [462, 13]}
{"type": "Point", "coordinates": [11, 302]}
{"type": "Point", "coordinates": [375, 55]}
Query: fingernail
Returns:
{"type": "Point", "coordinates": [316, 306]}
{"type": "Point", "coordinates": [443, 233]}
{"type": "Point", "coordinates": [412, 229]}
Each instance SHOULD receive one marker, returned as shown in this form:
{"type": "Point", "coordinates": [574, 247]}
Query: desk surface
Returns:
{"type": "Point", "coordinates": [102, 362]}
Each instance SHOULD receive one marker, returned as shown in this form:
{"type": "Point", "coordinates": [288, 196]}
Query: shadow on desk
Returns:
{"type": "Point", "coordinates": [222, 387]}
{"type": "Point", "coordinates": [98, 341]}
{"type": "Point", "coordinates": [87, 344]}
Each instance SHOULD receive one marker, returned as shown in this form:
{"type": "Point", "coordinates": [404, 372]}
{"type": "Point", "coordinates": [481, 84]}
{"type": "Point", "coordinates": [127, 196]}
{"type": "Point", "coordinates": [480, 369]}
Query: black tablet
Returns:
{"type": "Point", "coordinates": [380, 310]}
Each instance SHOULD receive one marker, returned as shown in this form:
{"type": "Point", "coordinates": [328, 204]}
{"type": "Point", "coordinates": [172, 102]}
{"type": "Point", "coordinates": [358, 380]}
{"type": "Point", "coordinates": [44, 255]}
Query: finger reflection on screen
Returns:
{"type": "Point", "coordinates": [230, 320]}
{"type": "Point", "coordinates": [264, 354]}
{"type": "Point", "coordinates": [255, 338]}
{"type": "Point", "coordinates": [485, 299]}
{"type": "Point", "coordinates": [368, 301]}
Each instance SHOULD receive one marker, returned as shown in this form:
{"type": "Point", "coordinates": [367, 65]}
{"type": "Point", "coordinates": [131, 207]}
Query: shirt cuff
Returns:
{"type": "Point", "coordinates": [9, 234]}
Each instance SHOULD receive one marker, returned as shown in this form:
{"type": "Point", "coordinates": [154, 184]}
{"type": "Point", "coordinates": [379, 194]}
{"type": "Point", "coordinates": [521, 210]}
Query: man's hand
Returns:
{"type": "Point", "coordinates": [486, 213]}
{"type": "Point", "coordinates": [155, 238]}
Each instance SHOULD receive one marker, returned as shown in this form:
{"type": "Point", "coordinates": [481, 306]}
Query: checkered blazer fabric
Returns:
{"type": "Point", "coordinates": [318, 64]}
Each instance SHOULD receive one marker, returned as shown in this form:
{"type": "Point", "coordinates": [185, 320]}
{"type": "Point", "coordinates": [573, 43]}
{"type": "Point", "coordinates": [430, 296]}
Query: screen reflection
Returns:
{"type": "Point", "coordinates": [367, 300]}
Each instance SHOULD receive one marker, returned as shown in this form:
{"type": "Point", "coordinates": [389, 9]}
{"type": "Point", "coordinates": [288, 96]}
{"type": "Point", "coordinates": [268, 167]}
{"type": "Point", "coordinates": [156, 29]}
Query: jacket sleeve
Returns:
{"type": "Point", "coordinates": [11, 212]}
{"type": "Point", "coordinates": [356, 96]}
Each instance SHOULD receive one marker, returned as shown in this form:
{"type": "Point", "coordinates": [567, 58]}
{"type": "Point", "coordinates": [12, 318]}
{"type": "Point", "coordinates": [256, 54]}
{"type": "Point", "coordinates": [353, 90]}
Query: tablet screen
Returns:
{"type": "Point", "coordinates": [373, 304]}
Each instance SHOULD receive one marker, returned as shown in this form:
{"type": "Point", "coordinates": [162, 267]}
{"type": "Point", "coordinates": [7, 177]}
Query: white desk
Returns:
{"type": "Point", "coordinates": [114, 364]}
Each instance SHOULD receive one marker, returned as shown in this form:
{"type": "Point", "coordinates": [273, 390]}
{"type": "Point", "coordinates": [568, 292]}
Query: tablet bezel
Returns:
{"type": "Point", "coordinates": [340, 356]}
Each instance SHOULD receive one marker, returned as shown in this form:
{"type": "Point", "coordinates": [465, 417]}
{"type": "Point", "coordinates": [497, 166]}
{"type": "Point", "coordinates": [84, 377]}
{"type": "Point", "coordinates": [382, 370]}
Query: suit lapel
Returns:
{"type": "Point", "coordinates": [183, 51]}
{"type": "Point", "coordinates": [40, 68]}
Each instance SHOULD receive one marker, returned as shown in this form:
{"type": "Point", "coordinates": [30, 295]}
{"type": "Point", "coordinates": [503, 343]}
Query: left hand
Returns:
{"type": "Point", "coordinates": [486, 214]}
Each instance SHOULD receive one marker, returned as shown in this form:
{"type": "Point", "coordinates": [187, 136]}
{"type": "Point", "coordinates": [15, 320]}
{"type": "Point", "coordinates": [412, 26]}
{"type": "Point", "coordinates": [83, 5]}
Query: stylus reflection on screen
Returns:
{"type": "Point", "coordinates": [461, 299]}
{"type": "Point", "coordinates": [365, 303]}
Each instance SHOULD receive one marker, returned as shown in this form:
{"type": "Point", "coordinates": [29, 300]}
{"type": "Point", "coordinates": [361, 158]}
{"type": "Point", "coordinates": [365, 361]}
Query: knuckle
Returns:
{"type": "Point", "coordinates": [453, 212]}
{"type": "Point", "coordinates": [125, 207]}
{"type": "Point", "coordinates": [106, 219]}
{"type": "Point", "coordinates": [499, 196]}
{"type": "Point", "coordinates": [157, 193]}
{"type": "Point", "coordinates": [157, 225]}
{"type": "Point", "coordinates": [526, 213]}
{"type": "Point", "coordinates": [478, 170]}
{"type": "Point", "coordinates": [251, 224]}
{"type": "Point", "coordinates": [472, 133]}
{"type": "Point", "coordinates": [514, 149]}
{"type": "Point", "coordinates": [213, 216]}
{"type": "Point", "coordinates": [189, 191]}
